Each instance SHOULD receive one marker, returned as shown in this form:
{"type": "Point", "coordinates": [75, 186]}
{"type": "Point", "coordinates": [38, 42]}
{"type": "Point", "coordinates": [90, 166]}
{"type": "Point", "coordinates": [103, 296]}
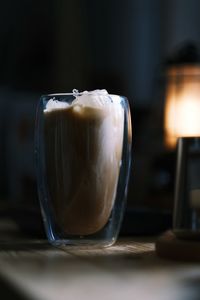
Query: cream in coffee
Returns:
{"type": "Point", "coordinates": [83, 149]}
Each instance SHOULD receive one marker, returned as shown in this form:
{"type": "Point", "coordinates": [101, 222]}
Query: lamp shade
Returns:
{"type": "Point", "coordinates": [182, 104]}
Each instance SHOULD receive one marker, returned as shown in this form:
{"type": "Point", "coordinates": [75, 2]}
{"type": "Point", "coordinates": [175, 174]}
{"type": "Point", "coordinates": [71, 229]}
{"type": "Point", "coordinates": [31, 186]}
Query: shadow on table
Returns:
{"type": "Point", "coordinates": [8, 292]}
{"type": "Point", "coordinates": [24, 245]}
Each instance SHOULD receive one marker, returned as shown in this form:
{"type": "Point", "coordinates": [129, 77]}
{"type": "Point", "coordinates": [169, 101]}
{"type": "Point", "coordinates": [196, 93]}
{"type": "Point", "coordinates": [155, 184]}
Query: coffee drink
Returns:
{"type": "Point", "coordinates": [83, 149]}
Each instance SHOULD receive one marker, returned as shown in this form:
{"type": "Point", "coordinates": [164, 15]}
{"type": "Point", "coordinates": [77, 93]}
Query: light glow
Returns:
{"type": "Point", "coordinates": [182, 109]}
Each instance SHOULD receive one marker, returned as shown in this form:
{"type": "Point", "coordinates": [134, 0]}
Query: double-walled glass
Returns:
{"type": "Point", "coordinates": [83, 155]}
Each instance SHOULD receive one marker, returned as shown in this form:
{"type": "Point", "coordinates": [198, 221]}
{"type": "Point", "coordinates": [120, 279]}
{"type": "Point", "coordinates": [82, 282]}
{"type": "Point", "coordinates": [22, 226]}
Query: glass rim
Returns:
{"type": "Point", "coordinates": [80, 94]}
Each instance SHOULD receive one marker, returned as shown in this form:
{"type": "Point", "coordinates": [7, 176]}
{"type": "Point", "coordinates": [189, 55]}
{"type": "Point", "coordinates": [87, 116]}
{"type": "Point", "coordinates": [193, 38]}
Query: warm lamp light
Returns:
{"type": "Point", "coordinates": [182, 108]}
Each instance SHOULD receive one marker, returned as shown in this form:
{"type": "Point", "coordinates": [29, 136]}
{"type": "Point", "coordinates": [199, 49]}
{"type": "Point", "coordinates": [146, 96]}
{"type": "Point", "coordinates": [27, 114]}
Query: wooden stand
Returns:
{"type": "Point", "coordinates": [169, 246]}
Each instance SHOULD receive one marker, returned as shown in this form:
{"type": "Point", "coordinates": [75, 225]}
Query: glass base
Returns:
{"type": "Point", "coordinates": [82, 243]}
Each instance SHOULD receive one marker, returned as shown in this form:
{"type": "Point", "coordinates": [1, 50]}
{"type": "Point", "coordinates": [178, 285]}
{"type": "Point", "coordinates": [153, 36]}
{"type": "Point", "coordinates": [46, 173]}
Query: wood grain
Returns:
{"type": "Point", "coordinates": [129, 269]}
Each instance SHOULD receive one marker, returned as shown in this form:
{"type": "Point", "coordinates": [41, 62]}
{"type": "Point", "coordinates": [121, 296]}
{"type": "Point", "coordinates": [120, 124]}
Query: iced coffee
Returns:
{"type": "Point", "coordinates": [83, 149]}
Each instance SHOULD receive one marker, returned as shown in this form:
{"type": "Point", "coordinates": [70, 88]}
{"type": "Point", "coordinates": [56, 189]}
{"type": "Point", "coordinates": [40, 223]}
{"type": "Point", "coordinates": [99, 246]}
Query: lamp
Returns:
{"type": "Point", "coordinates": [182, 120]}
{"type": "Point", "coordinates": [182, 103]}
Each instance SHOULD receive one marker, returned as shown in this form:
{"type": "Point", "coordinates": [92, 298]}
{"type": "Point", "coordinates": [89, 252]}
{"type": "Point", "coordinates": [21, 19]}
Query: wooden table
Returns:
{"type": "Point", "coordinates": [128, 270]}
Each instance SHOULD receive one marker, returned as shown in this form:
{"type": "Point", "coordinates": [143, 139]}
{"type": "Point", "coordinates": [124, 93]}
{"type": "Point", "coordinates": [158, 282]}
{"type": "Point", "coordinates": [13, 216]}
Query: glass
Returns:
{"type": "Point", "coordinates": [83, 156]}
{"type": "Point", "coordinates": [186, 223]}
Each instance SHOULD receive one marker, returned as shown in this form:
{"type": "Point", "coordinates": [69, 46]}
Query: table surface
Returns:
{"type": "Point", "coordinates": [32, 269]}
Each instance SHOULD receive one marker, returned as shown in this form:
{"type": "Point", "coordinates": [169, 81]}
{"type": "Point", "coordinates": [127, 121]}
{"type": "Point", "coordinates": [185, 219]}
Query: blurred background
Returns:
{"type": "Point", "coordinates": [123, 46]}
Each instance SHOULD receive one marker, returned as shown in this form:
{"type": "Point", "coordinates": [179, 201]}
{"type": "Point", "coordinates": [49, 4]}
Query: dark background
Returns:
{"type": "Point", "coordinates": [55, 46]}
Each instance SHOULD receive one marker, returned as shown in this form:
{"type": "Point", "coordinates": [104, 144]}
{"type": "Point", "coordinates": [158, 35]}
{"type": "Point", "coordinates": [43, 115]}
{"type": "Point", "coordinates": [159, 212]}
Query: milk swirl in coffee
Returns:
{"type": "Point", "coordinates": [83, 149]}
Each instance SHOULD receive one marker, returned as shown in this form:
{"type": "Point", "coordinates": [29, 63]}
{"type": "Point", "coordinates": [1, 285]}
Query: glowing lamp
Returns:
{"type": "Point", "coordinates": [182, 106]}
